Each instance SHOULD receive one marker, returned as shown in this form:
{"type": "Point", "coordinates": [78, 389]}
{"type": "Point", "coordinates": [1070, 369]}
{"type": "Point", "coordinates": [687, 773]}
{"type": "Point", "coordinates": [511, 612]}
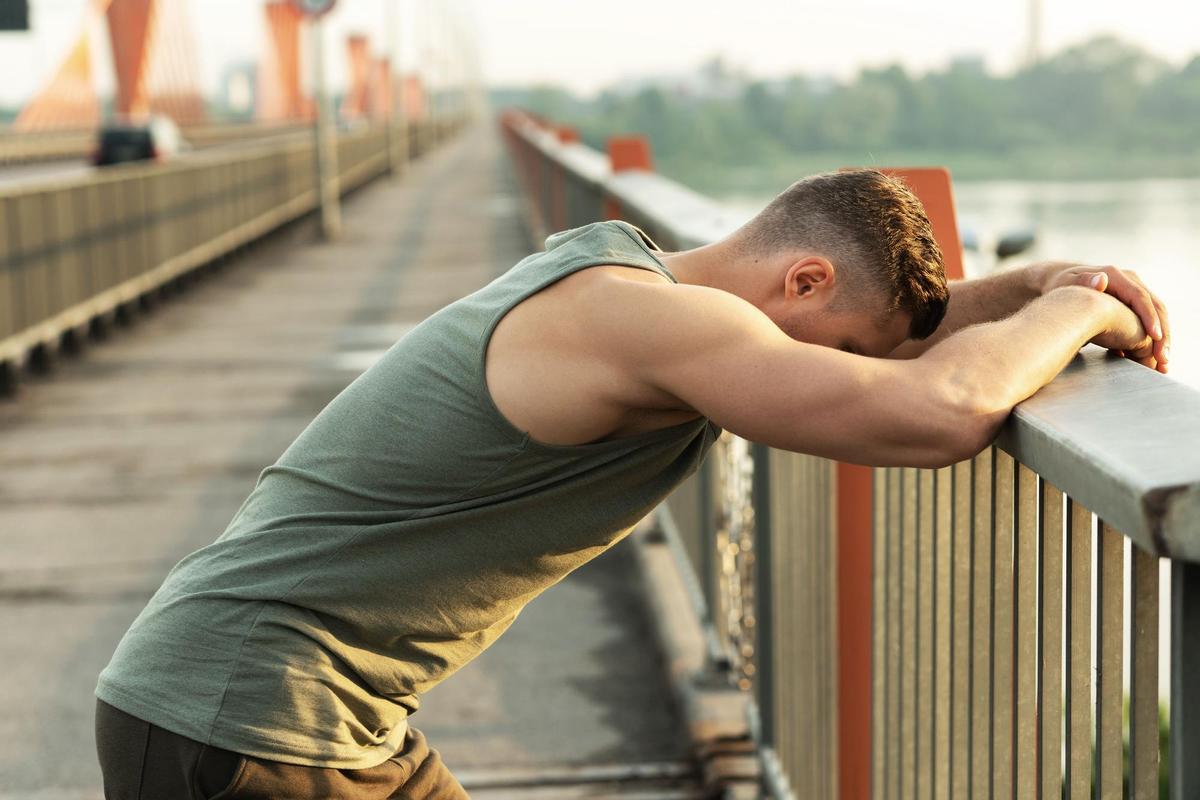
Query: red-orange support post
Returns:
{"type": "Point", "coordinates": [565, 135]}
{"type": "Point", "coordinates": [854, 501]}
{"type": "Point", "coordinates": [382, 105]}
{"type": "Point", "coordinates": [279, 96]}
{"type": "Point", "coordinates": [629, 152]}
{"type": "Point", "coordinates": [416, 105]}
{"type": "Point", "coordinates": [358, 94]}
{"type": "Point", "coordinates": [932, 186]}
{"type": "Point", "coordinates": [626, 152]}
{"type": "Point", "coordinates": [129, 24]}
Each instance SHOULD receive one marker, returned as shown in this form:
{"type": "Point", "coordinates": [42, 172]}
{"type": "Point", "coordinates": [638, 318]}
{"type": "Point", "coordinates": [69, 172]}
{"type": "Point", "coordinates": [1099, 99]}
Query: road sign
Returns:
{"type": "Point", "coordinates": [314, 8]}
{"type": "Point", "coordinates": [14, 15]}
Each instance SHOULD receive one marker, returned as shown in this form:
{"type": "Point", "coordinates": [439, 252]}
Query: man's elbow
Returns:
{"type": "Point", "coordinates": [966, 425]}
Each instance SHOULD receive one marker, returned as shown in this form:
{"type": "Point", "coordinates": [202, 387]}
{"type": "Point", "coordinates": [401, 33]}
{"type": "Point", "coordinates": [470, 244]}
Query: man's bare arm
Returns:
{"type": "Point", "coordinates": [726, 359]}
{"type": "Point", "coordinates": [997, 296]}
{"type": "Point", "coordinates": [977, 300]}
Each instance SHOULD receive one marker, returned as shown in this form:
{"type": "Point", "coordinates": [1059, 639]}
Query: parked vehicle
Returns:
{"type": "Point", "coordinates": [121, 140]}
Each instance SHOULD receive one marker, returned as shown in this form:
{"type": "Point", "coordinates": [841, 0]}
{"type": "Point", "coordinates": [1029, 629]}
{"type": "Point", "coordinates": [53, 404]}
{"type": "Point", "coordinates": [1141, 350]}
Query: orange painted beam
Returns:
{"type": "Point", "coordinates": [129, 27]}
{"type": "Point", "coordinates": [629, 152]}
{"type": "Point", "coordinates": [279, 95]}
{"type": "Point", "coordinates": [854, 571]}
{"type": "Point", "coordinates": [933, 188]}
{"type": "Point", "coordinates": [382, 104]}
{"type": "Point", "coordinates": [416, 104]}
{"type": "Point", "coordinates": [855, 496]}
{"type": "Point", "coordinates": [356, 103]}
{"type": "Point", "coordinates": [170, 77]}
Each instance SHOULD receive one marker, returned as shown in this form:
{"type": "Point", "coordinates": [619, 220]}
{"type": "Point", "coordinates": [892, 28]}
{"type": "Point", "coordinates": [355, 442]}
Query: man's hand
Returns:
{"type": "Point", "coordinates": [1126, 286]}
{"type": "Point", "coordinates": [1124, 332]}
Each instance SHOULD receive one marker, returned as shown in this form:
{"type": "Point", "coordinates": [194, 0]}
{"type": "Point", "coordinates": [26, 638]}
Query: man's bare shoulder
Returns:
{"type": "Point", "coordinates": [565, 363]}
{"type": "Point", "coordinates": [638, 317]}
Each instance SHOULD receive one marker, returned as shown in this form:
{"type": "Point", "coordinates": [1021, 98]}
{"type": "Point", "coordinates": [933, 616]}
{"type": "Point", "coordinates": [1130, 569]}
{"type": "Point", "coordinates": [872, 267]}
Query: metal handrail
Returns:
{"type": "Point", "coordinates": [1090, 441]}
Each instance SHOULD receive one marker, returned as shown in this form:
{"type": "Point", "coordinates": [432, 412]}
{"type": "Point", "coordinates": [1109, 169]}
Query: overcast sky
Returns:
{"type": "Point", "coordinates": [587, 46]}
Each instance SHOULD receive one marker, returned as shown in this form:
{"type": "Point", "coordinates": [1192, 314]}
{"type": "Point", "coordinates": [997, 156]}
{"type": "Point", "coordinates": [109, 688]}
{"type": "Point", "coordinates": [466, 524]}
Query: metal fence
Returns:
{"type": "Point", "coordinates": [17, 147]}
{"type": "Point", "coordinates": [952, 633]}
{"type": "Point", "coordinates": [73, 250]}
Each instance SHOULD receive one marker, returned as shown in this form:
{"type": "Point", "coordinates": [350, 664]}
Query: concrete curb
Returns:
{"type": "Point", "coordinates": [714, 712]}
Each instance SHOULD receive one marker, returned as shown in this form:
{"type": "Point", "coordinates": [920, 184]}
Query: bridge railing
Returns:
{"type": "Point", "coordinates": [74, 249]}
{"type": "Point", "coordinates": [18, 147]}
{"type": "Point", "coordinates": [959, 632]}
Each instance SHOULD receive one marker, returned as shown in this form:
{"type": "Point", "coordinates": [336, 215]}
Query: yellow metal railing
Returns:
{"type": "Point", "coordinates": [75, 249]}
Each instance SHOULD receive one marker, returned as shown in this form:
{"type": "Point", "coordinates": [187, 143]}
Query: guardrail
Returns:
{"type": "Point", "coordinates": [75, 250]}
{"type": "Point", "coordinates": [913, 633]}
{"type": "Point", "coordinates": [18, 147]}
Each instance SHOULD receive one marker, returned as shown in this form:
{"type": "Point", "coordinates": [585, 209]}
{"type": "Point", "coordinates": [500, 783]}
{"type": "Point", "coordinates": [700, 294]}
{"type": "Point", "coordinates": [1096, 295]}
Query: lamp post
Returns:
{"type": "Point", "coordinates": [389, 105]}
{"type": "Point", "coordinates": [326, 144]}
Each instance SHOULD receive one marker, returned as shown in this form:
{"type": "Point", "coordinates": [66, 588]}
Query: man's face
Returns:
{"type": "Point", "coordinates": [852, 328]}
{"type": "Point", "coordinates": [814, 306]}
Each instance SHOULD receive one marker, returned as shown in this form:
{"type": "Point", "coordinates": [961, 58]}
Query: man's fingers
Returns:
{"type": "Point", "coordinates": [1148, 361]}
{"type": "Point", "coordinates": [1142, 351]}
{"type": "Point", "coordinates": [1132, 293]}
{"type": "Point", "coordinates": [1162, 350]}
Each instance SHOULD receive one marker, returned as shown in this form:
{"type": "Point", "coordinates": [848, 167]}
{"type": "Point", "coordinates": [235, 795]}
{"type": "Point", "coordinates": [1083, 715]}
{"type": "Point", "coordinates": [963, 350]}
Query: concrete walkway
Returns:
{"type": "Point", "coordinates": [123, 461]}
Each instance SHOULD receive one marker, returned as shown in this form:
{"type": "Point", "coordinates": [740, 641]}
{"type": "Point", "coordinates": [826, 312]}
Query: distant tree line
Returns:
{"type": "Point", "coordinates": [1105, 96]}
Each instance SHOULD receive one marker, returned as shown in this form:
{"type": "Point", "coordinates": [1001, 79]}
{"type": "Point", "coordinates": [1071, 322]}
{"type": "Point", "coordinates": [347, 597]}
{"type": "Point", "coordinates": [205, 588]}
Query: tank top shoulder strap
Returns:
{"type": "Point", "coordinates": [611, 241]}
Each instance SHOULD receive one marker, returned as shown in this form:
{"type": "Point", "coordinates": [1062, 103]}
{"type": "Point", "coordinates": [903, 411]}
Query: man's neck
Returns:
{"type": "Point", "coordinates": [715, 266]}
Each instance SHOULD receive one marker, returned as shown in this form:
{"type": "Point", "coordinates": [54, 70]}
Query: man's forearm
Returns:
{"type": "Point", "coordinates": [981, 300]}
{"type": "Point", "coordinates": [991, 367]}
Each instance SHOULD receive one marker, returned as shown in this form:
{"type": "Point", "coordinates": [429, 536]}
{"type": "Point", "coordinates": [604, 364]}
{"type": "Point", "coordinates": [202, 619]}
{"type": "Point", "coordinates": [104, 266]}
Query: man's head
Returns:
{"type": "Point", "coordinates": [851, 259]}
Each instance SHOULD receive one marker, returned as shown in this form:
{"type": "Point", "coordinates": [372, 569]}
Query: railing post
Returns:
{"type": "Point", "coordinates": [624, 153]}
{"type": "Point", "coordinates": [764, 640]}
{"type": "Point", "coordinates": [1185, 689]}
{"type": "Point", "coordinates": [562, 211]}
{"type": "Point", "coordinates": [854, 584]}
{"type": "Point", "coordinates": [932, 187]}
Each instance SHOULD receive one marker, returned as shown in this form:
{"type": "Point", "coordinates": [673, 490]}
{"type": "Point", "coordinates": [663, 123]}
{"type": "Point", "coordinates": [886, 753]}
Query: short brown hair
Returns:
{"type": "Point", "coordinates": [868, 224]}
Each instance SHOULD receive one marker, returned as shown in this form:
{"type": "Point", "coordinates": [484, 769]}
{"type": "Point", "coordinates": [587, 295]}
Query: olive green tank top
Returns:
{"type": "Point", "coordinates": [393, 541]}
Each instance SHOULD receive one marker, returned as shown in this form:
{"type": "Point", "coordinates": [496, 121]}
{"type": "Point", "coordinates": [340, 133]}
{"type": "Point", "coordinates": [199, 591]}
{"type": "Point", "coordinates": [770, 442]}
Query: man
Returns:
{"type": "Point", "coordinates": [525, 428]}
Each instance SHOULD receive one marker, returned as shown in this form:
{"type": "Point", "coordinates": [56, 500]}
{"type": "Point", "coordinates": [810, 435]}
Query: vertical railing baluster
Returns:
{"type": "Point", "coordinates": [823, 665]}
{"type": "Point", "coordinates": [806, 761]}
{"type": "Point", "coordinates": [879, 630]}
{"type": "Point", "coordinates": [924, 642]}
{"type": "Point", "coordinates": [786, 612]}
{"type": "Point", "coordinates": [1025, 632]}
{"type": "Point", "coordinates": [895, 631]}
{"type": "Point", "coordinates": [908, 638]}
{"type": "Point", "coordinates": [1143, 677]}
{"type": "Point", "coordinates": [1002, 629]}
{"type": "Point", "coordinates": [943, 514]}
{"type": "Point", "coordinates": [981, 625]}
{"type": "Point", "coordinates": [1078, 776]}
{"type": "Point", "coordinates": [764, 590]}
{"type": "Point", "coordinates": [1110, 590]}
{"type": "Point", "coordinates": [815, 615]}
{"type": "Point", "coordinates": [960, 634]}
{"type": "Point", "coordinates": [830, 639]}
{"type": "Point", "coordinates": [1050, 642]}
{"type": "Point", "coordinates": [1185, 689]}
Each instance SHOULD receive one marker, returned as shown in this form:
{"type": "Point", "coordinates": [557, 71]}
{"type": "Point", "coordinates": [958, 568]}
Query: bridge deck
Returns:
{"type": "Point", "coordinates": [129, 458]}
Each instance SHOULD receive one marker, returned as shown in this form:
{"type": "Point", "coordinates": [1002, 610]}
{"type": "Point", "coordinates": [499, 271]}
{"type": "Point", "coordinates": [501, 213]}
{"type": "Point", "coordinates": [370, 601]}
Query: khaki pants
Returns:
{"type": "Point", "coordinates": [141, 761]}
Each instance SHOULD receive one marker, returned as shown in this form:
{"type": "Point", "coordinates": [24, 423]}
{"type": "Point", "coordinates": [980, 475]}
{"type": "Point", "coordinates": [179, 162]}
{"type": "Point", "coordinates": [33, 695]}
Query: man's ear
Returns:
{"type": "Point", "coordinates": [809, 277]}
